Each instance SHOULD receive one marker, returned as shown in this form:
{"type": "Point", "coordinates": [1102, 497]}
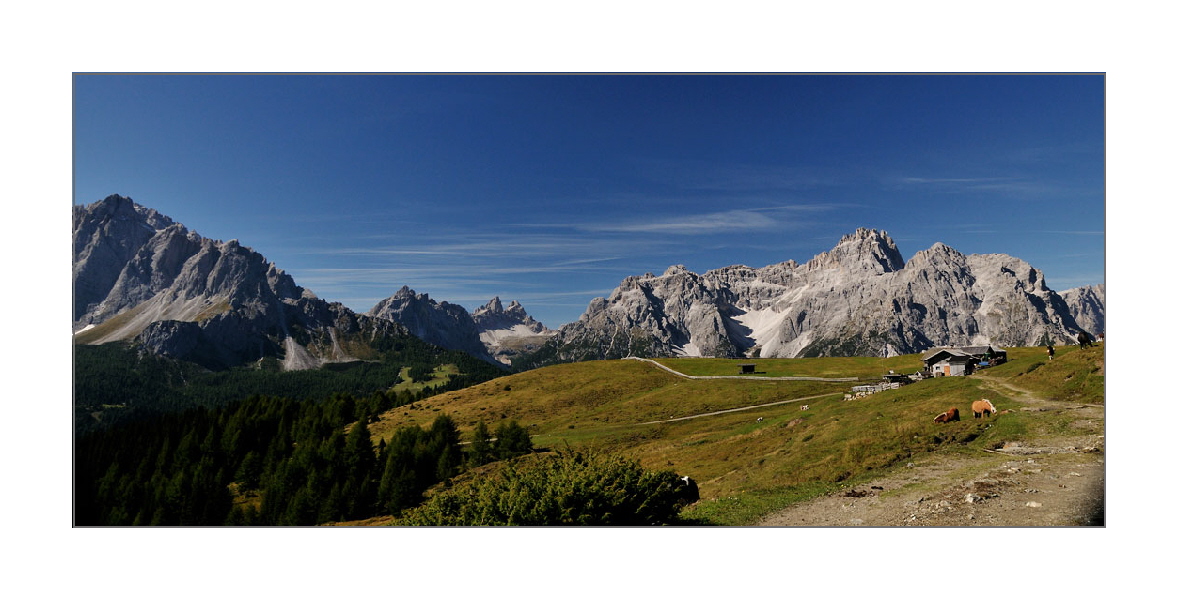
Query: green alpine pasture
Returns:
{"type": "Point", "coordinates": [750, 444]}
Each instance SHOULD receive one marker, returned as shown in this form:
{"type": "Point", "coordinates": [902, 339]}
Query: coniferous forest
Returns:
{"type": "Point", "coordinates": [117, 382]}
{"type": "Point", "coordinates": [270, 461]}
{"type": "Point", "coordinates": [162, 442]}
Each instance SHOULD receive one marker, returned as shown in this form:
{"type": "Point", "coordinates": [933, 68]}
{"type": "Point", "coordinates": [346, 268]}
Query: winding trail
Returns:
{"type": "Point", "coordinates": [722, 411]}
{"type": "Point", "coordinates": [775, 378]}
{"type": "Point", "coordinates": [687, 417]}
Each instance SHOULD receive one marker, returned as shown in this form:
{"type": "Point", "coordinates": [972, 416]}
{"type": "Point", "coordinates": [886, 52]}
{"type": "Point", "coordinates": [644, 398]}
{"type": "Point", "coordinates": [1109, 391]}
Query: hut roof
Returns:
{"type": "Point", "coordinates": [953, 352]}
{"type": "Point", "coordinates": [962, 352]}
{"type": "Point", "coordinates": [982, 350]}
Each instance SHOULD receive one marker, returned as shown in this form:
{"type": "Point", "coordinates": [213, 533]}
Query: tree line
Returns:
{"type": "Point", "coordinates": [117, 382]}
{"type": "Point", "coordinates": [272, 461]}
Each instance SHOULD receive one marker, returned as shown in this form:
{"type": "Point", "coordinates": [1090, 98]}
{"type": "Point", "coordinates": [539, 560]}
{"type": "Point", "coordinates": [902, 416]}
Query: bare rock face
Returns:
{"type": "Point", "coordinates": [1087, 304]}
{"type": "Point", "coordinates": [493, 332]}
{"type": "Point", "coordinates": [140, 276]}
{"type": "Point", "coordinates": [508, 332]}
{"type": "Point", "coordinates": [107, 235]}
{"type": "Point", "coordinates": [441, 323]}
{"type": "Point", "coordinates": [860, 298]}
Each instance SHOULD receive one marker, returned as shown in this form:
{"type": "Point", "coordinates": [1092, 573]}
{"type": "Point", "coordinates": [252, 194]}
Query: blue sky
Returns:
{"type": "Point", "coordinates": [550, 189]}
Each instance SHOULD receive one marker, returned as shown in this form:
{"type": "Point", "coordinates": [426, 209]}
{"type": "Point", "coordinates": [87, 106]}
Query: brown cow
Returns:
{"type": "Point", "coordinates": [982, 407]}
{"type": "Point", "coordinates": [947, 416]}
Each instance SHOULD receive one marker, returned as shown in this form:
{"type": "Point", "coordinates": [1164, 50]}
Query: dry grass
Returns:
{"type": "Point", "coordinates": [745, 467]}
{"type": "Point", "coordinates": [107, 327]}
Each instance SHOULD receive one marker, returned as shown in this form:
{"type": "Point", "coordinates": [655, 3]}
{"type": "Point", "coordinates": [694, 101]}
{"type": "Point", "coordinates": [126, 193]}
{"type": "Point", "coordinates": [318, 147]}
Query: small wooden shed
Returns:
{"type": "Point", "coordinates": [747, 368]}
{"type": "Point", "coordinates": [949, 362]}
{"type": "Point", "coordinates": [962, 361]}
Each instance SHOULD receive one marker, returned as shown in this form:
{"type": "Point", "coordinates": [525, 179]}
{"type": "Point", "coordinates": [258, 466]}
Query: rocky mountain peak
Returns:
{"type": "Point", "coordinates": [140, 276]}
{"type": "Point", "coordinates": [494, 316]}
{"type": "Point", "coordinates": [864, 250]}
{"type": "Point", "coordinates": [509, 331]}
{"type": "Point", "coordinates": [493, 306]}
{"type": "Point", "coordinates": [856, 299]}
{"type": "Point", "coordinates": [938, 256]}
{"type": "Point", "coordinates": [444, 324]}
{"type": "Point", "coordinates": [121, 208]}
{"type": "Point", "coordinates": [407, 292]}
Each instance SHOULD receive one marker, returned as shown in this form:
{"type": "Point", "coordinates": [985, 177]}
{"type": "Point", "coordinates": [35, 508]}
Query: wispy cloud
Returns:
{"type": "Point", "coordinates": [738, 178]}
{"type": "Point", "coordinates": [475, 245]}
{"type": "Point", "coordinates": [1004, 185]}
{"type": "Point", "coordinates": [585, 261]}
{"type": "Point", "coordinates": [948, 180]}
{"type": "Point", "coordinates": [750, 219]}
{"type": "Point", "coordinates": [709, 223]}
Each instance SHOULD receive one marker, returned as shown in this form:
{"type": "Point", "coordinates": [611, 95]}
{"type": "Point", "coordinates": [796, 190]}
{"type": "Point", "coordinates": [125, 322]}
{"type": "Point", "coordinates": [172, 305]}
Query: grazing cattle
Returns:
{"type": "Point", "coordinates": [982, 407]}
{"type": "Point", "coordinates": [690, 492]}
{"type": "Point", "coordinates": [1084, 340]}
{"type": "Point", "coordinates": [947, 416]}
{"type": "Point", "coordinates": [805, 407]}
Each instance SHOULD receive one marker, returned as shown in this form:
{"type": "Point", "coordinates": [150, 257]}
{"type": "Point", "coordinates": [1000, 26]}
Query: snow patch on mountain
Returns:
{"type": "Point", "coordinates": [508, 332]}
{"type": "Point", "coordinates": [860, 298]}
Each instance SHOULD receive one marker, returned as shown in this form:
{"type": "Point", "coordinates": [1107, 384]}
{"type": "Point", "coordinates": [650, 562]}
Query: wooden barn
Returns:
{"type": "Point", "coordinates": [961, 361]}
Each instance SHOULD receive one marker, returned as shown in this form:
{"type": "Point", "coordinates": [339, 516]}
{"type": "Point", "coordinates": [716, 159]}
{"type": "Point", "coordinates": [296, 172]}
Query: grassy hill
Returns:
{"type": "Point", "coordinates": [750, 444]}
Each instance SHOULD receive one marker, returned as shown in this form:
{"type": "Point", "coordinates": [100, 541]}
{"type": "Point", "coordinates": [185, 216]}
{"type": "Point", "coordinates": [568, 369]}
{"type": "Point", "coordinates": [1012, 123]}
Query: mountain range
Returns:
{"type": "Point", "coordinates": [859, 298]}
{"type": "Point", "coordinates": [140, 276]}
{"type": "Point", "coordinates": [492, 332]}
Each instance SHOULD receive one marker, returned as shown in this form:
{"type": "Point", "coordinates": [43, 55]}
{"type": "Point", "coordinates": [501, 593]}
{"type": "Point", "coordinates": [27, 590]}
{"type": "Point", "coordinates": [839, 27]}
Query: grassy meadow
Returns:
{"type": "Point", "coordinates": [770, 452]}
{"type": "Point", "coordinates": [439, 377]}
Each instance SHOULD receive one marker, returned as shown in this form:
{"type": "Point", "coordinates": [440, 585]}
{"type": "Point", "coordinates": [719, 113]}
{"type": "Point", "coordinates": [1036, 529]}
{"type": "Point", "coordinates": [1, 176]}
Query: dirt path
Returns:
{"type": "Point", "coordinates": [775, 378]}
{"type": "Point", "coordinates": [1048, 481]}
{"type": "Point", "coordinates": [685, 417]}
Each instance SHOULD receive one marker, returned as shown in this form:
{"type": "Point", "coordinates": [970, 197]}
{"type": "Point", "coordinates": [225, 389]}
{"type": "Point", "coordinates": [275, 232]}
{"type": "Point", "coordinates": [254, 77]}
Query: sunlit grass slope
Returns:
{"type": "Point", "coordinates": [1074, 375]}
{"type": "Point", "coordinates": [753, 461]}
{"type": "Point", "coordinates": [819, 367]}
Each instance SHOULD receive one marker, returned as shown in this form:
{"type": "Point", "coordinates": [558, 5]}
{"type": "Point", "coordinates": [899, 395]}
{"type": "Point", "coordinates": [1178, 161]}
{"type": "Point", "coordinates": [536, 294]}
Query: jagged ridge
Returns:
{"type": "Point", "coordinates": [492, 332]}
{"type": "Point", "coordinates": [860, 298]}
{"type": "Point", "coordinates": [140, 276]}
{"type": "Point", "coordinates": [508, 332]}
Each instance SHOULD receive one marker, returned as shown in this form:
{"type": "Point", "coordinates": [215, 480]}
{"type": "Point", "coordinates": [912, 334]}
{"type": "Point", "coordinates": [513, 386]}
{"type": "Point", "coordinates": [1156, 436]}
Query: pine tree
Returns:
{"type": "Point", "coordinates": [512, 440]}
{"type": "Point", "coordinates": [360, 470]}
{"type": "Point", "coordinates": [481, 451]}
{"type": "Point", "coordinates": [399, 488]}
{"type": "Point", "coordinates": [445, 448]}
